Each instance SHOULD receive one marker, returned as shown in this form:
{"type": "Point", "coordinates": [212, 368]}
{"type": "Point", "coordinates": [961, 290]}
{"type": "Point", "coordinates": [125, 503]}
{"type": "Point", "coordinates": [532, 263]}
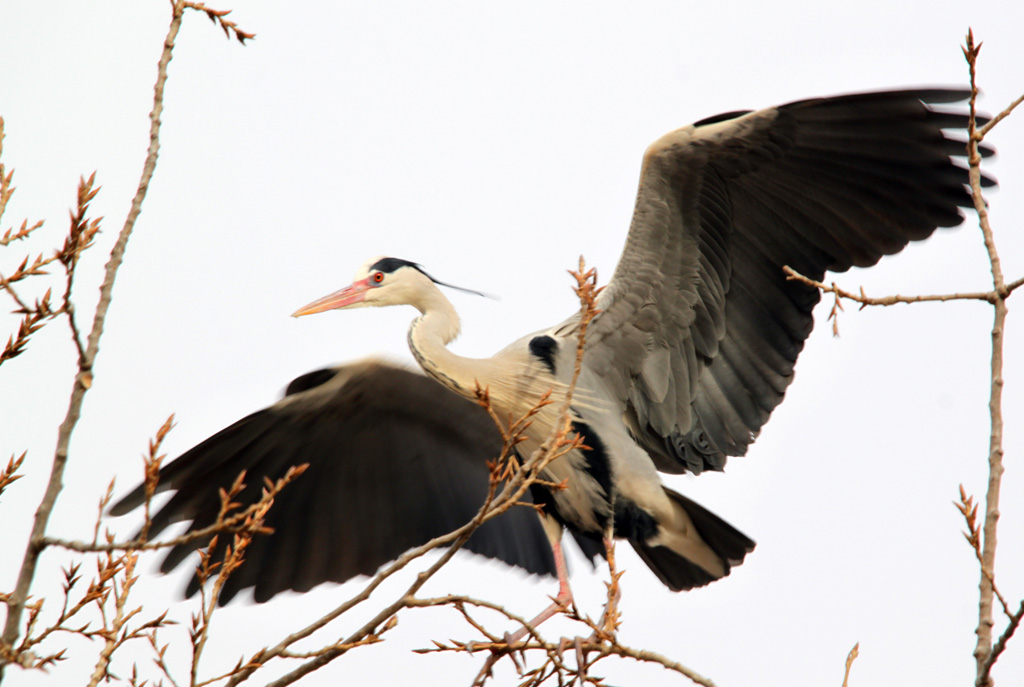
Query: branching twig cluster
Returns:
{"type": "Point", "coordinates": [6, 191]}
{"type": "Point", "coordinates": [107, 596]}
{"type": "Point", "coordinates": [116, 572]}
{"type": "Point", "coordinates": [80, 237]}
{"type": "Point", "coordinates": [10, 473]}
{"type": "Point", "coordinates": [229, 27]}
{"type": "Point", "coordinates": [566, 662]}
{"type": "Point", "coordinates": [114, 621]}
{"type": "Point", "coordinates": [34, 317]}
{"type": "Point", "coordinates": [974, 538]}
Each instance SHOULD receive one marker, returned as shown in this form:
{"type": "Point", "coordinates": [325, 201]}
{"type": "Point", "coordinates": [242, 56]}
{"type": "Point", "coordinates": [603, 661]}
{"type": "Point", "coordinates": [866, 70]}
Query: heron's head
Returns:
{"type": "Point", "coordinates": [379, 282]}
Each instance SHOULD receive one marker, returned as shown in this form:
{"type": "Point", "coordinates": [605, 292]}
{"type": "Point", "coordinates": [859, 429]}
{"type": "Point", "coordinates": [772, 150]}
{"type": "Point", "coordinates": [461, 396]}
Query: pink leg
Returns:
{"type": "Point", "coordinates": [563, 600]}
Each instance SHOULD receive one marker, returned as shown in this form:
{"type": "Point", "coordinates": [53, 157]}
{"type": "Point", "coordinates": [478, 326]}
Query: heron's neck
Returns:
{"type": "Point", "coordinates": [429, 336]}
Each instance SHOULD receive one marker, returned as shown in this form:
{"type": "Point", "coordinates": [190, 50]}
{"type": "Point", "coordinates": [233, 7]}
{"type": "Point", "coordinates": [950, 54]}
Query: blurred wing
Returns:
{"type": "Point", "coordinates": [394, 460]}
{"type": "Point", "coordinates": [700, 329]}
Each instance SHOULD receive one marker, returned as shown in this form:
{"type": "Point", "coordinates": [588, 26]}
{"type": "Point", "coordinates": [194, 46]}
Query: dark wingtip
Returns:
{"type": "Point", "coordinates": [127, 504]}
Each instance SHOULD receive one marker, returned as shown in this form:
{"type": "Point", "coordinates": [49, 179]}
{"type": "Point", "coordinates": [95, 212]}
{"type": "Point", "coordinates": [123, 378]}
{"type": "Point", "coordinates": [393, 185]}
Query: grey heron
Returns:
{"type": "Point", "coordinates": [694, 347]}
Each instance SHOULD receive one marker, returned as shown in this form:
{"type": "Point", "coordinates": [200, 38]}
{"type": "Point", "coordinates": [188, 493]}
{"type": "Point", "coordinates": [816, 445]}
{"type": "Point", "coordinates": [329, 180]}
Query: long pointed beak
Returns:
{"type": "Point", "coordinates": [339, 299]}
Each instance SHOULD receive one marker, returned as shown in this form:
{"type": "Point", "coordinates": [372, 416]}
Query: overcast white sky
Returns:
{"type": "Point", "coordinates": [493, 142]}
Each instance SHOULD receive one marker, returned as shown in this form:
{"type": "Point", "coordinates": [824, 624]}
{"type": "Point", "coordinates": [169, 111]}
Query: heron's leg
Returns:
{"type": "Point", "coordinates": [564, 598]}
{"type": "Point", "coordinates": [562, 601]}
{"type": "Point", "coordinates": [610, 615]}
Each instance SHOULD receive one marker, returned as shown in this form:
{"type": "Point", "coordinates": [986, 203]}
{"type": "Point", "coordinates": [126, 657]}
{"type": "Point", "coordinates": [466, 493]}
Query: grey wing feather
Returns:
{"type": "Point", "coordinates": [699, 293]}
{"type": "Point", "coordinates": [395, 460]}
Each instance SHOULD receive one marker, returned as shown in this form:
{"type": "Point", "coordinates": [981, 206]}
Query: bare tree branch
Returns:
{"type": "Point", "coordinates": [981, 537]}
{"type": "Point", "coordinates": [865, 300]}
{"type": "Point", "coordinates": [983, 650]}
{"type": "Point", "coordinates": [83, 379]}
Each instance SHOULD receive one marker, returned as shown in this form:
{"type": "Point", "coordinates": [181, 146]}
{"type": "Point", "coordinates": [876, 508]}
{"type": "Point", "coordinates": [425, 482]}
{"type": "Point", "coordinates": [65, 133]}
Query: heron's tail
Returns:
{"type": "Point", "coordinates": [696, 548]}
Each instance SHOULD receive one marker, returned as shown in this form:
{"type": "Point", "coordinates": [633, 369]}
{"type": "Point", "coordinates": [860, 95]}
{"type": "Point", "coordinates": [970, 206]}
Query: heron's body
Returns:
{"type": "Point", "coordinates": [612, 482]}
{"type": "Point", "coordinates": [695, 345]}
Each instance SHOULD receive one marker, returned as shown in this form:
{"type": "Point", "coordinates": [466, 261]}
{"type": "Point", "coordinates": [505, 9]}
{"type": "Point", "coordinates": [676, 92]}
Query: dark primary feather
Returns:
{"type": "Point", "coordinates": [818, 185]}
{"type": "Point", "coordinates": [395, 460]}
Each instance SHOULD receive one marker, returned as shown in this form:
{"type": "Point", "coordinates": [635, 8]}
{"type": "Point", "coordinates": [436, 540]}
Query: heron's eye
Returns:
{"type": "Point", "coordinates": [377, 277]}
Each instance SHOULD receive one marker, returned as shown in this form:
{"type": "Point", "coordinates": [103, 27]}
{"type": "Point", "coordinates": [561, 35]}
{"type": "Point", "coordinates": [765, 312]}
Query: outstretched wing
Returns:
{"type": "Point", "coordinates": [394, 460]}
{"type": "Point", "coordinates": [701, 329]}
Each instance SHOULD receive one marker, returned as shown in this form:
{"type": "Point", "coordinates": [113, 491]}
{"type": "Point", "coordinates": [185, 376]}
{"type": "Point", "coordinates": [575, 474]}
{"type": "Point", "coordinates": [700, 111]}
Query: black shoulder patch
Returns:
{"type": "Point", "coordinates": [724, 117]}
{"type": "Point", "coordinates": [310, 380]}
{"type": "Point", "coordinates": [545, 348]}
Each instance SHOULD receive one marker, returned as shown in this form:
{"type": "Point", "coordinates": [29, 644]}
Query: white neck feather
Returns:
{"type": "Point", "coordinates": [514, 380]}
{"type": "Point", "coordinates": [429, 336]}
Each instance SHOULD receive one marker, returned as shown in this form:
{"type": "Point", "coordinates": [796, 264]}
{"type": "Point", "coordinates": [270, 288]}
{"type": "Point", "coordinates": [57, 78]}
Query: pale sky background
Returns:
{"type": "Point", "coordinates": [494, 142]}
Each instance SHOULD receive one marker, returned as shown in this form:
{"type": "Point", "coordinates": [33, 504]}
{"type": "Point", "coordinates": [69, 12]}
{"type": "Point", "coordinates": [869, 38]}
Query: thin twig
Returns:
{"type": "Point", "coordinates": [33, 319]}
{"type": "Point", "coordinates": [865, 300]}
{"type": "Point", "coordinates": [850, 658]}
{"type": "Point", "coordinates": [969, 510]}
{"type": "Point", "coordinates": [10, 473]}
{"type": "Point", "coordinates": [113, 637]}
{"type": "Point", "coordinates": [10, 236]}
{"type": "Point", "coordinates": [230, 28]}
{"type": "Point", "coordinates": [231, 525]}
{"type": "Point", "coordinates": [999, 117]}
{"type": "Point", "coordinates": [80, 237]}
{"type": "Point", "coordinates": [1000, 645]}
{"type": "Point", "coordinates": [5, 285]}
